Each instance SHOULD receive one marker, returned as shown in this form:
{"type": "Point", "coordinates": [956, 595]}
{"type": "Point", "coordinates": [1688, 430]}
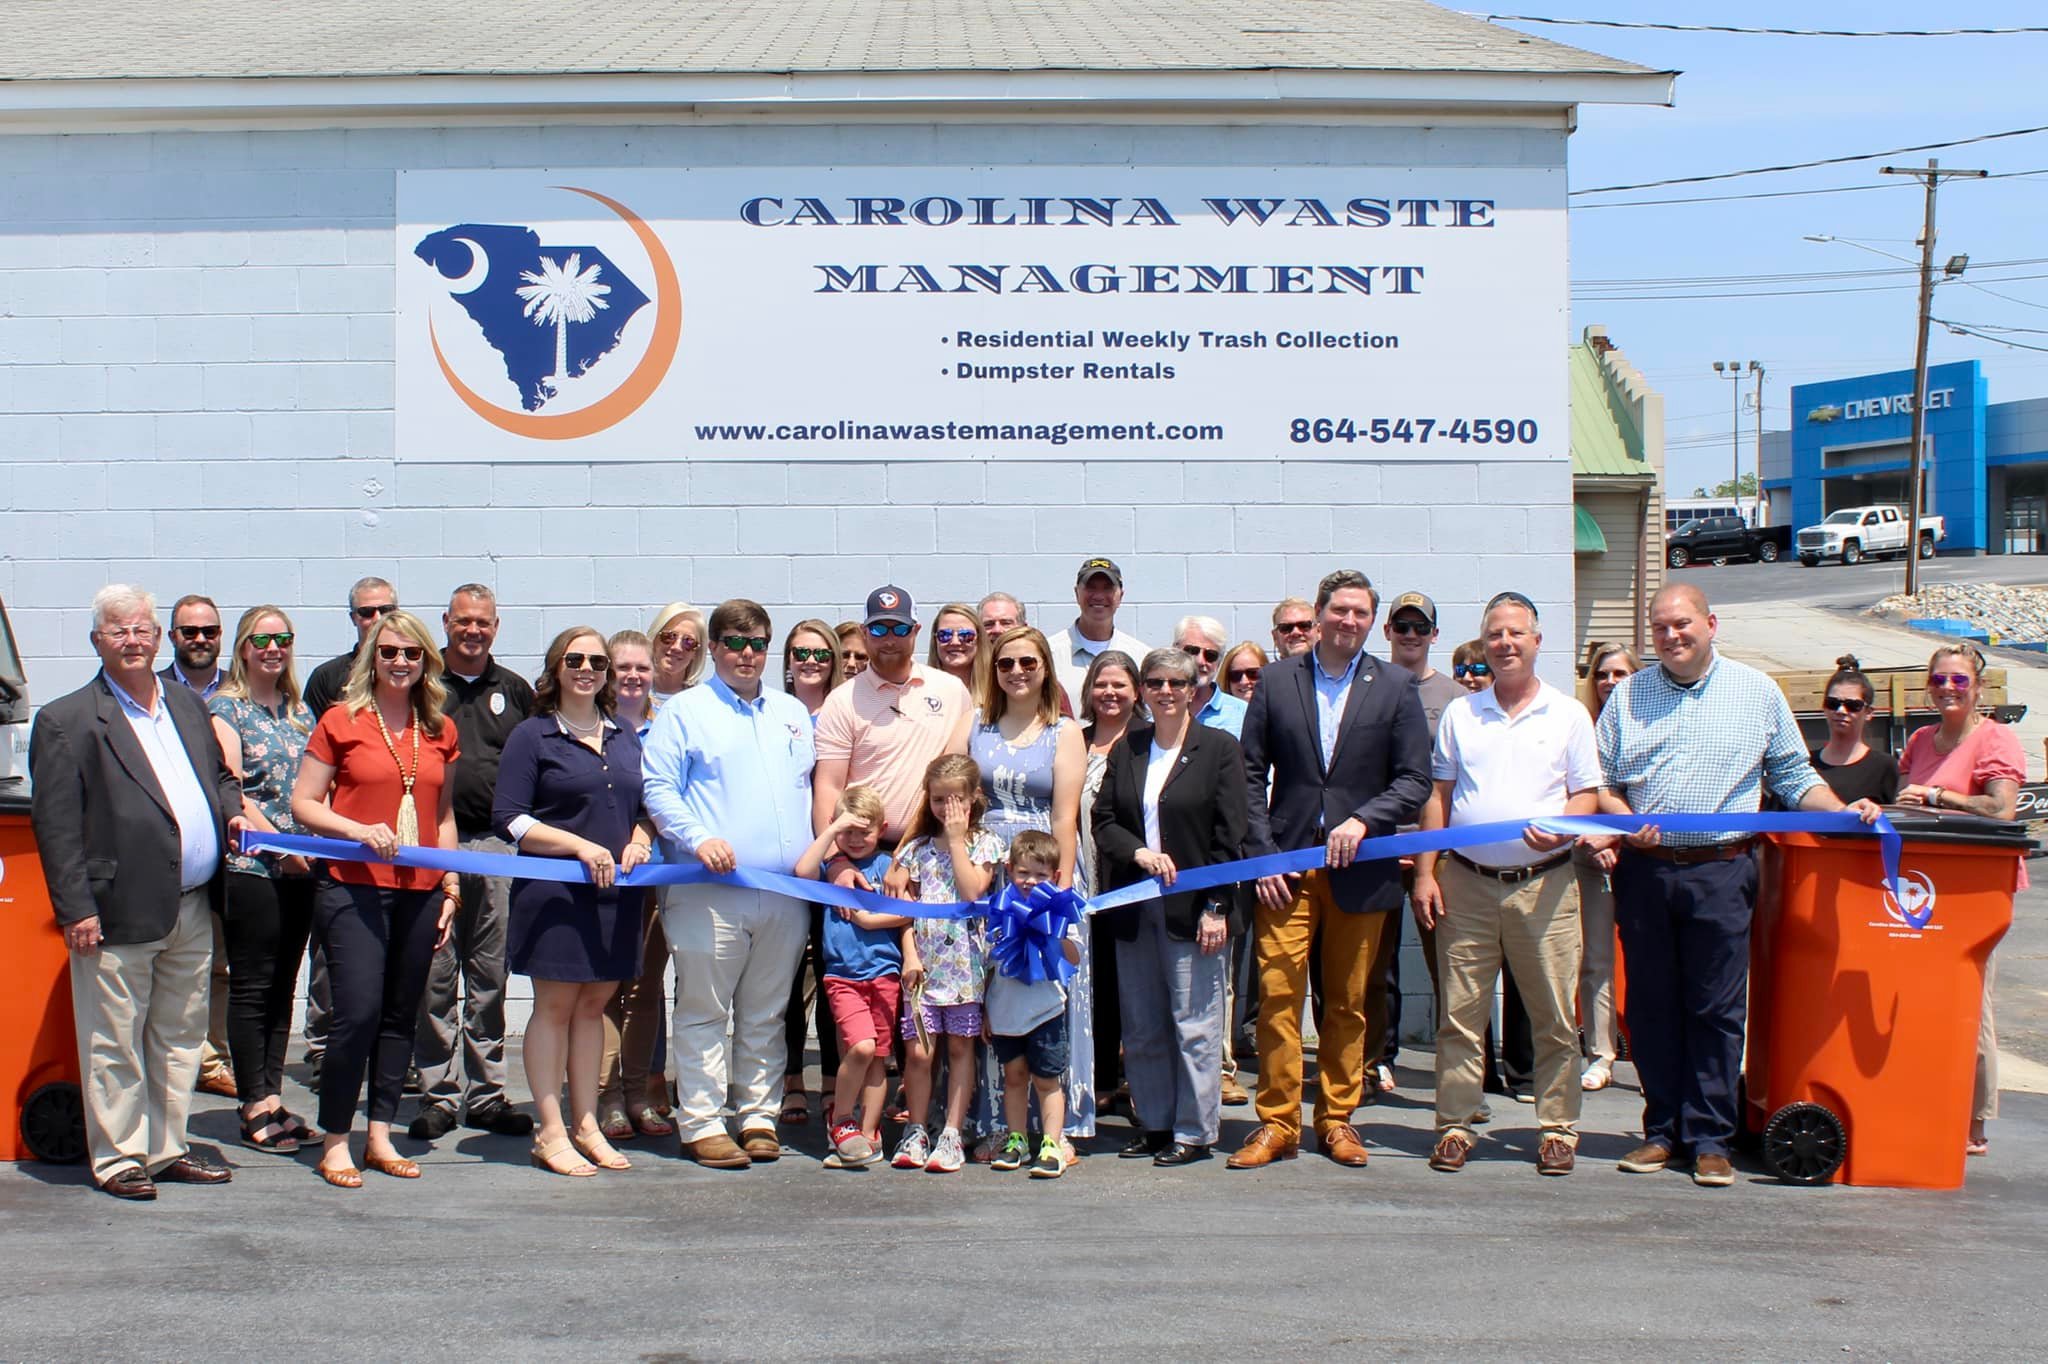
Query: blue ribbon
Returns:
{"type": "Point", "coordinates": [1027, 931]}
{"type": "Point", "coordinates": [520, 866]}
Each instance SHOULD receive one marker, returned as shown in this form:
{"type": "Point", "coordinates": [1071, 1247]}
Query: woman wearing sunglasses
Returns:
{"type": "Point", "coordinates": [262, 726]}
{"type": "Point", "coordinates": [958, 646]}
{"type": "Point", "coordinates": [1469, 668]}
{"type": "Point", "coordinates": [1606, 667]}
{"type": "Point", "coordinates": [1110, 705]}
{"type": "Point", "coordinates": [1853, 769]}
{"type": "Point", "coordinates": [376, 772]}
{"type": "Point", "coordinates": [679, 658]}
{"type": "Point", "coordinates": [1240, 670]}
{"type": "Point", "coordinates": [569, 787]}
{"type": "Point", "coordinates": [1970, 763]}
{"type": "Point", "coordinates": [810, 671]}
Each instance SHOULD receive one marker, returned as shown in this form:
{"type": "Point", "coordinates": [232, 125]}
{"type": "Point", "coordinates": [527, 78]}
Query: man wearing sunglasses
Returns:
{"type": "Point", "coordinates": [487, 701]}
{"type": "Point", "coordinates": [1294, 627]}
{"type": "Point", "coordinates": [1202, 639]}
{"type": "Point", "coordinates": [1099, 592]}
{"type": "Point", "coordinates": [369, 601]}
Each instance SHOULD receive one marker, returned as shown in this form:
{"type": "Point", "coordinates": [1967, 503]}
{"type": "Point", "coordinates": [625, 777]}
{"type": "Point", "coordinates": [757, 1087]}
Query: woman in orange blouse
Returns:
{"type": "Point", "coordinates": [376, 773]}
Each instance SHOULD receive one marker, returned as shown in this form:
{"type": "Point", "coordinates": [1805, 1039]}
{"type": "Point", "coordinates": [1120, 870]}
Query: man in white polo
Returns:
{"type": "Point", "coordinates": [1099, 593]}
{"type": "Point", "coordinates": [1520, 748]}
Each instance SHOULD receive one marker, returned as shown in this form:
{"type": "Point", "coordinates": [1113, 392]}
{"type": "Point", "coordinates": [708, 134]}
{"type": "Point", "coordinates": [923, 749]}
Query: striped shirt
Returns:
{"type": "Point", "coordinates": [1709, 748]}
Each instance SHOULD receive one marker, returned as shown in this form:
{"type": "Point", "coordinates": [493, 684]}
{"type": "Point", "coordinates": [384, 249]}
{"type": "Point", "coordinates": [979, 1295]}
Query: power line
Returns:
{"type": "Point", "coordinates": [1769, 194]}
{"type": "Point", "coordinates": [1809, 165]}
{"type": "Point", "coordinates": [1763, 293]}
{"type": "Point", "coordinates": [1772, 32]}
{"type": "Point", "coordinates": [1800, 276]}
{"type": "Point", "coordinates": [1971, 331]}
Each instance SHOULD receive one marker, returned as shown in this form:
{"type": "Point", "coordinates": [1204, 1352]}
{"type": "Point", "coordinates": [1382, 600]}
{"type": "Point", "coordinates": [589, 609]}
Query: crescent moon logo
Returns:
{"type": "Point", "coordinates": [628, 397]}
{"type": "Point", "coordinates": [473, 278]}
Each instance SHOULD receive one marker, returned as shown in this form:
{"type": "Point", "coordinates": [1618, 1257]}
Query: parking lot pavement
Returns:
{"type": "Point", "coordinates": [1831, 584]}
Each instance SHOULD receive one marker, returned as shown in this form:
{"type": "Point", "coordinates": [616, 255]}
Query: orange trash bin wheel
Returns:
{"type": "Point", "coordinates": [53, 1123]}
{"type": "Point", "coordinates": [1804, 1143]}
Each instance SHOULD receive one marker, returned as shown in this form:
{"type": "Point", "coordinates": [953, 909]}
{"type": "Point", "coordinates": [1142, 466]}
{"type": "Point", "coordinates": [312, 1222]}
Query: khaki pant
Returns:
{"type": "Point", "coordinates": [1534, 926]}
{"type": "Point", "coordinates": [1352, 948]}
{"type": "Point", "coordinates": [141, 1017]}
{"type": "Point", "coordinates": [1984, 1097]}
{"type": "Point", "coordinates": [213, 1052]}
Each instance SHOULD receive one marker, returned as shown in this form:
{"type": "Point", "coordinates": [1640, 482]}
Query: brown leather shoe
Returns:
{"type": "Point", "coordinates": [761, 1144]}
{"type": "Point", "coordinates": [1452, 1150]}
{"type": "Point", "coordinates": [1264, 1146]}
{"type": "Point", "coordinates": [1341, 1144]}
{"type": "Point", "coordinates": [1712, 1171]}
{"type": "Point", "coordinates": [1556, 1156]}
{"type": "Point", "coordinates": [221, 1082]}
{"type": "Point", "coordinates": [1646, 1159]}
{"type": "Point", "coordinates": [193, 1170]}
{"type": "Point", "coordinates": [132, 1184]}
{"type": "Point", "coordinates": [717, 1152]}
{"type": "Point", "coordinates": [1234, 1095]}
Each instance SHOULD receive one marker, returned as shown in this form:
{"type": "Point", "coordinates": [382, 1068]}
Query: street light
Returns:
{"type": "Point", "coordinates": [1732, 369]}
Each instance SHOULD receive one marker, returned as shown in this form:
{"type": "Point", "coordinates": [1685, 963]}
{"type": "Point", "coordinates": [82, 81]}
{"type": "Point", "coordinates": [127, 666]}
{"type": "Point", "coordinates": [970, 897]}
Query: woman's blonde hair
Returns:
{"type": "Point", "coordinates": [237, 683]}
{"type": "Point", "coordinates": [981, 647]}
{"type": "Point", "coordinates": [1597, 652]}
{"type": "Point", "coordinates": [700, 657]}
{"type": "Point", "coordinates": [429, 693]}
{"type": "Point", "coordinates": [822, 631]}
{"type": "Point", "coordinates": [993, 698]}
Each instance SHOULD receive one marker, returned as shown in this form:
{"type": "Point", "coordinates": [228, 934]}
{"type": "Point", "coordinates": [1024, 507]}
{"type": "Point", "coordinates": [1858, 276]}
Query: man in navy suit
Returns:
{"type": "Point", "coordinates": [1336, 750]}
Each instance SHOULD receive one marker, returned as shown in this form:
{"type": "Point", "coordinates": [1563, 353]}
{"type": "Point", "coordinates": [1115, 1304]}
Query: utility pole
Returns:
{"type": "Point", "coordinates": [1931, 176]}
{"type": "Point", "coordinates": [1756, 368]}
{"type": "Point", "coordinates": [1732, 369]}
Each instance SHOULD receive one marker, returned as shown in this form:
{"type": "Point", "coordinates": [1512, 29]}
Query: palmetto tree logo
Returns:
{"type": "Point", "coordinates": [559, 294]}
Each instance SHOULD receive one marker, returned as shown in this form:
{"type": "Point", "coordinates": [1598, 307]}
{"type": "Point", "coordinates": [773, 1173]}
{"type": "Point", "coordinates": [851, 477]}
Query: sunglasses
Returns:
{"type": "Point", "coordinates": [882, 629]}
{"type": "Point", "coordinates": [1414, 629]}
{"type": "Point", "coordinates": [1853, 705]}
{"type": "Point", "coordinates": [281, 638]}
{"type": "Point", "coordinates": [1197, 651]}
{"type": "Point", "coordinates": [1027, 664]}
{"type": "Point", "coordinates": [1294, 627]}
{"type": "Point", "coordinates": [390, 653]}
{"type": "Point", "coordinates": [597, 663]}
{"type": "Point", "coordinates": [1471, 670]}
{"type": "Point", "coordinates": [739, 644]}
{"type": "Point", "coordinates": [1243, 675]}
{"type": "Point", "coordinates": [192, 632]}
{"type": "Point", "coordinates": [1166, 684]}
{"type": "Point", "coordinates": [849, 655]}
{"type": "Point", "coordinates": [372, 612]}
{"type": "Point", "coordinates": [669, 639]}
{"type": "Point", "coordinates": [1953, 681]}
{"type": "Point", "coordinates": [801, 654]}
{"type": "Point", "coordinates": [949, 635]}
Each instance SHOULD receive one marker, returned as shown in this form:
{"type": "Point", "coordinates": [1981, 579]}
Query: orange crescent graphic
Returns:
{"type": "Point", "coordinates": [639, 386]}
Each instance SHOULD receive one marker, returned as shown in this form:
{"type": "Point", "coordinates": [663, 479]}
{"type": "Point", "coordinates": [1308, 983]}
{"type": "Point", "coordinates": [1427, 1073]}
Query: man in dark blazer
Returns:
{"type": "Point", "coordinates": [1336, 750]}
{"type": "Point", "coordinates": [132, 807]}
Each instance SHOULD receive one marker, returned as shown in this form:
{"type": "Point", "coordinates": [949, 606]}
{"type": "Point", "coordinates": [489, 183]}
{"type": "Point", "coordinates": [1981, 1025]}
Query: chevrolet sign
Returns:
{"type": "Point", "coordinates": [1827, 412]}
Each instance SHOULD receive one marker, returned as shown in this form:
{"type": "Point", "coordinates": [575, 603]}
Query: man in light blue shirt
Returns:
{"type": "Point", "coordinates": [1201, 638]}
{"type": "Point", "coordinates": [726, 772]}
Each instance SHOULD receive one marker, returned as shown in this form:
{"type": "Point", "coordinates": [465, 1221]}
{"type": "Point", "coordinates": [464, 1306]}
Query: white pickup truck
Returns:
{"type": "Point", "coordinates": [1854, 534]}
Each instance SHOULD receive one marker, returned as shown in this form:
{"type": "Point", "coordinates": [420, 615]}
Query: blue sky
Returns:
{"type": "Point", "coordinates": [1745, 101]}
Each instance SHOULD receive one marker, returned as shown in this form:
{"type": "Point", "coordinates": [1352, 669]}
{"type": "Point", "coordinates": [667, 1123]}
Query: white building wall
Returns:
{"type": "Point", "coordinates": [196, 339]}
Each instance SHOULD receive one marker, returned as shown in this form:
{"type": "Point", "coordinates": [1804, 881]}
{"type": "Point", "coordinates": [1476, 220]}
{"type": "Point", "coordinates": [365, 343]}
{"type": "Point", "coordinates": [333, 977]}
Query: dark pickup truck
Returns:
{"type": "Point", "coordinates": [1716, 539]}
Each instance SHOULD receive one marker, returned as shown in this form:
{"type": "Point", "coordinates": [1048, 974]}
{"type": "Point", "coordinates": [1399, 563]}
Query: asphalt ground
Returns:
{"type": "Point", "coordinates": [485, 1257]}
{"type": "Point", "coordinates": [1832, 584]}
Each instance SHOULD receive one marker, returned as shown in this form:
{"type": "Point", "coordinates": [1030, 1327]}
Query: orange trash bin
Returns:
{"type": "Point", "coordinates": [42, 1111]}
{"type": "Point", "coordinates": [1862, 1026]}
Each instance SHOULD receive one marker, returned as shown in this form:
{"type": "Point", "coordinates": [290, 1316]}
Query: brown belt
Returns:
{"type": "Point", "coordinates": [1713, 852]}
{"type": "Point", "coordinates": [1512, 875]}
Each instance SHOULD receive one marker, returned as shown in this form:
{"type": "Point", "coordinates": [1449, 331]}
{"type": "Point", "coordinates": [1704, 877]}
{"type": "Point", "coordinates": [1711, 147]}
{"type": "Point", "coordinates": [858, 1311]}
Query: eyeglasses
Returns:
{"type": "Point", "coordinates": [1412, 628]}
{"type": "Point", "coordinates": [1166, 684]}
{"type": "Point", "coordinates": [669, 639]}
{"type": "Point", "coordinates": [850, 655]}
{"type": "Point", "coordinates": [372, 612]}
{"type": "Point", "coordinates": [597, 663]}
{"type": "Point", "coordinates": [1471, 670]}
{"type": "Point", "coordinates": [192, 632]}
{"type": "Point", "coordinates": [1293, 627]}
{"type": "Point", "coordinates": [803, 655]}
{"type": "Point", "coordinates": [1197, 651]}
{"type": "Point", "coordinates": [390, 653]}
{"type": "Point", "coordinates": [1851, 704]}
{"type": "Point", "coordinates": [882, 629]}
{"type": "Point", "coordinates": [1953, 681]}
{"type": "Point", "coordinates": [281, 638]}
{"type": "Point", "coordinates": [948, 636]}
{"type": "Point", "coordinates": [739, 644]}
{"type": "Point", "coordinates": [1242, 675]}
{"type": "Point", "coordinates": [1027, 664]}
{"type": "Point", "coordinates": [125, 633]}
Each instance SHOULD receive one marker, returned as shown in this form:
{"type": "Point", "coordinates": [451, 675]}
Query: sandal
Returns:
{"type": "Point", "coordinates": [1383, 1077]}
{"type": "Point", "coordinates": [282, 1141]}
{"type": "Point", "coordinates": [347, 1177]}
{"type": "Point", "coordinates": [398, 1167]}
{"type": "Point", "coordinates": [796, 1108]}
{"type": "Point", "coordinates": [616, 1126]}
{"type": "Point", "coordinates": [648, 1122]}
{"type": "Point", "coordinates": [299, 1127]}
{"type": "Point", "coordinates": [601, 1154]}
{"type": "Point", "coordinates": [1597, 1077]}
{"type": "Point", "coordinates": [544, 1157]}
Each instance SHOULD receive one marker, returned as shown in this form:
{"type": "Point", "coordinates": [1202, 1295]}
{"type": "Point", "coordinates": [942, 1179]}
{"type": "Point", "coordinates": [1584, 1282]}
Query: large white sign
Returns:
{"type": "Point", "coordinates": [969, 313]}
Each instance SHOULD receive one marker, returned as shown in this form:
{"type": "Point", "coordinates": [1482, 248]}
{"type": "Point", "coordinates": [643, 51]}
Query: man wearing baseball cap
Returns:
{"type": "Point", "coordinates": [1098, 591]}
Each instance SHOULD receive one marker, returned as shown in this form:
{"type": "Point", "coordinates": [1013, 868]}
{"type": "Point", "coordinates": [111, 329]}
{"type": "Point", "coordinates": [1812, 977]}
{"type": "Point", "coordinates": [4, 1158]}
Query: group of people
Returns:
{"type": "Point", "coordinates": [978, 798]}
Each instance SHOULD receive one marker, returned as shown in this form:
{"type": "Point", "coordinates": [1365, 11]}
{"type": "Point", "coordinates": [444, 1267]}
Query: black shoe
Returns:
{"type": "Point", "coordinates": [432, 1124]}
{"type": "Point", "coordinates": [1182, 1153]}
{"type": "Point", "coordinates": [500, 1119]}
{"type": "Point", "coordinates": [313, 1073]}
{"type": "Point", "coordinates": [1147, 1144]}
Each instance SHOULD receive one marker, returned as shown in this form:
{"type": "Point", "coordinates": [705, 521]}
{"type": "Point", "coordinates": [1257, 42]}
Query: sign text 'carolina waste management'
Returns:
{"type": "Point", "coordinates": [956, 313]}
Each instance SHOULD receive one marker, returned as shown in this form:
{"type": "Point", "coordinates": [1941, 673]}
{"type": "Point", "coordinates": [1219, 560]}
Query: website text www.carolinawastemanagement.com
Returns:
{"type": "Point", "coordinates": [1044, 433]}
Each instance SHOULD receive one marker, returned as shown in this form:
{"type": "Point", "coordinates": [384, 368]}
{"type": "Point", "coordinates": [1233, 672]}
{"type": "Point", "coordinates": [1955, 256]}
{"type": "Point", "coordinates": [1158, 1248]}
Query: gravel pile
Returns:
{"type": "Point", "coordinates": [2017, 614]}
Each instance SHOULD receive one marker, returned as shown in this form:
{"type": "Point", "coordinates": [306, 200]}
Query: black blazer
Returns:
{"type": "Point", "coordinates": [1201, 823]}
{"type": "Point", "coordinates": [1378, 773]}
{"type": "Point", "coordinates": [104, 829]}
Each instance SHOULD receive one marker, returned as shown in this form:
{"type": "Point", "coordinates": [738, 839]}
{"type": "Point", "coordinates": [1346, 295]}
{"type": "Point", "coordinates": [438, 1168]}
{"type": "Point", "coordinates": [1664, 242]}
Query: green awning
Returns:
{"type": "Point", "coordinates": [1587, 537]}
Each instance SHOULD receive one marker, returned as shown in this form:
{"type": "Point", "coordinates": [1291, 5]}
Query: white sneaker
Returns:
{"type": "Point", "coordinates": [947, 1157]}
{"type": "Point", "coordinates": [1598, 1076]}
{"type": "Point", "coordinates": [914, 1149]}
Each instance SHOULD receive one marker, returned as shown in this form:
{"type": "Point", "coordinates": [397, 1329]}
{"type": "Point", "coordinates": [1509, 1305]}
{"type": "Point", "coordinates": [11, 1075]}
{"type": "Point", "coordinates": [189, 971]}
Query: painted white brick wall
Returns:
{"type": "Point", "coordinates": [195, 393]}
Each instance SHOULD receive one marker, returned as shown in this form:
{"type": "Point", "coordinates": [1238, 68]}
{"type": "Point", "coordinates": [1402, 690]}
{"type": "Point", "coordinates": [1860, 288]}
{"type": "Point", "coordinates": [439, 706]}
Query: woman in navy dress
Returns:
{"type": "Point", "coordinates": [569, 786]}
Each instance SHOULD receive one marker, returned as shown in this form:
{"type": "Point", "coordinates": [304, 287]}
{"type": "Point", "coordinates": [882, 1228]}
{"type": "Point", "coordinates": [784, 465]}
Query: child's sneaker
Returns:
{"type": "Point", "coordinates": [1051, 1163]}
{"type": "Point", "coordinates": [947, 1157]}
{"type": "Point", "coordinates": [850, 1148]}
{"type": "Point", "coordinates": [1013, 1153]}
{"type": "Point", "coordinates": [915, 1148]}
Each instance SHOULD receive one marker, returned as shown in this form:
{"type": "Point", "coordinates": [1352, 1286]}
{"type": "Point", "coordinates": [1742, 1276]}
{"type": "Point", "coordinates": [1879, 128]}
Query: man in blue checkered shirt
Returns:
{"type": "Point", "coordinates": [1699, 734]}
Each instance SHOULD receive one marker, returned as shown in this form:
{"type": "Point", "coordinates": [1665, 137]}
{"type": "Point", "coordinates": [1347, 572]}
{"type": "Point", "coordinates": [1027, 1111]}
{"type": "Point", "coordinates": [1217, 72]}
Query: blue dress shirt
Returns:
{"type": "Point", "coordinates": [716, 765]}
{"type": "Point", "coordinates": [1331, 694]}
{"type": "Point", "coordinates": [199, 844]}
{"type": "Point", "coordinates": [1225, 712]}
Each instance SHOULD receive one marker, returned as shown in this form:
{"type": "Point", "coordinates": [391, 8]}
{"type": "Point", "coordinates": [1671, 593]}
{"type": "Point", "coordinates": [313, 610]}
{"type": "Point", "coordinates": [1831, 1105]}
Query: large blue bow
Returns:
{"type": "Point", "coordinates": [1027, 931]}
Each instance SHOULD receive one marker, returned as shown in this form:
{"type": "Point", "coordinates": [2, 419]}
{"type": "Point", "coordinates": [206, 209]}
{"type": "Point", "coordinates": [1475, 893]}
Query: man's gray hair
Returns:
{"type": "Point", "coordinates": [121, 599]}
{"type": "Point", "coordinates": [1172, 662]}
{"type": "Point", "coordinates": [363, 585]}
{"type": "Point", "coordinates": [1208, 627]}
{"type": "Point", "coordinates": [477, 590]}
{"type": "Point", "coordinates": [981, 606]}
